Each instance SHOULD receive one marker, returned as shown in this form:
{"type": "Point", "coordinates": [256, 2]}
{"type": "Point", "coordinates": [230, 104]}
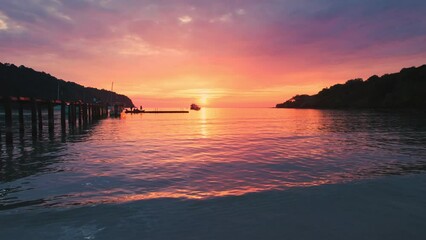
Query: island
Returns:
{"type": "Point", "coordinates": [26, 82]}
{"type": "Point", "coordinates": [405, 89]}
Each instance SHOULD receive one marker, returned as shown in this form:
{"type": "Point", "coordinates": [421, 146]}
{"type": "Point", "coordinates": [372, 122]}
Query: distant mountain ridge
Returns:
{"type": "Point", "coordinates": [406, 89]}
{"type": "Point", "coordinates": [26, 82]}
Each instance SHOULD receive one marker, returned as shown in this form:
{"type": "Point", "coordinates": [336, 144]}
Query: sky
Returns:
{"type": "Point", "coordinates": [221, 53]}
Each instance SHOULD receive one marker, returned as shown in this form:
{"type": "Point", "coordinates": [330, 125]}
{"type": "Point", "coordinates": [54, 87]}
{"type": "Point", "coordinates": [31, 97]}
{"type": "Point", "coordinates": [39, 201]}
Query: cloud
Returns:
{"type": "Point", "coordinates": [265, 28]}
{"type": "Point", "coordinates": [185, 19]}
{"type": "Point", "coordinates": [3, 22]}
{"type": "Point", "coordinates": [240, 11]}
{"type": "Point", "coordinates": [234, 45]}
{"type": "Point", "coordinates": [223, 18]}
{"type": "Point", "coordinates": [3, 25]}
{"type": "Point", "coordinates": [134, 45]}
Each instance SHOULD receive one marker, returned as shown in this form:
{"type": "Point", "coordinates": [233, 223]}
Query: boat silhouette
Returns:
{"type": "Point", "coordinates": [195, 107]}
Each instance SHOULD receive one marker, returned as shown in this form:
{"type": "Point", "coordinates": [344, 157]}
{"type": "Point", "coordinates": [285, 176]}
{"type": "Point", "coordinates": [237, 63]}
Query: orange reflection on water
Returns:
{"type": "Point", "coordinates": [108, 197]}
{"type": "Point", "coordinates": [216, 153]}
{"type": "Point", "coordinates": [203, 125]}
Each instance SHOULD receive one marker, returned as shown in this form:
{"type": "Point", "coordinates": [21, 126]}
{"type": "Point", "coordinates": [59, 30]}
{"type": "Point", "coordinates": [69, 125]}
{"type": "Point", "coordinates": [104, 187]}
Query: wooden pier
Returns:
{"type": "Point", "coordinates": [171, 111]}
{"type": "Point", "coordinates": [79, 115]}
{"type": "Point", "coordinates": [155, 111]}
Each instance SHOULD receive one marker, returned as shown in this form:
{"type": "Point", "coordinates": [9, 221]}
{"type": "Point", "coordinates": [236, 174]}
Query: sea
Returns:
{"type": "Point", "coordinates": [219, 173]}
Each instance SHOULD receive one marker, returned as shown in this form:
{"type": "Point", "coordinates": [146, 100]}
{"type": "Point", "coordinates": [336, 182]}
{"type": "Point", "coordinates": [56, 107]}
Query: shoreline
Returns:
{"type": "Point", "coordinates": [391, 207]}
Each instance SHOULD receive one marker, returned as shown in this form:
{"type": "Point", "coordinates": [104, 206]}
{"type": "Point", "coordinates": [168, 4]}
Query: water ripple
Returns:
{"type": "Point", "coordinates": [211, 153]}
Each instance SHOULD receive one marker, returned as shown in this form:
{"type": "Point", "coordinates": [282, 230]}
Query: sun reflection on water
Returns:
{"type": "Point", "coordinates": [203, 122]}
{"type": "Point", "coordinates": [214, 153]}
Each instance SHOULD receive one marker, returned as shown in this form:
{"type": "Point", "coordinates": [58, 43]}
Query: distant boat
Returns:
{"type": "Point", "coordinates": [195, 107]}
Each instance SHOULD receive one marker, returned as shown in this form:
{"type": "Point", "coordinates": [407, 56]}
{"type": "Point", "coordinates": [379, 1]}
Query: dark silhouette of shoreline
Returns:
{"type": "Point", "coordinates": [26, 82]}
{"type": "Point", "coordinates": [406, 89]}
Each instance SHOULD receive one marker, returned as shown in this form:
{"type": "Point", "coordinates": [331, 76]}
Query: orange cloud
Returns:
{"type": "Point", "coordinates": [216, 53]}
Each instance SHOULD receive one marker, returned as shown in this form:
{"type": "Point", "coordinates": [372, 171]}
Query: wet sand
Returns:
{"type": "Point", "coordinates": [392, 207]}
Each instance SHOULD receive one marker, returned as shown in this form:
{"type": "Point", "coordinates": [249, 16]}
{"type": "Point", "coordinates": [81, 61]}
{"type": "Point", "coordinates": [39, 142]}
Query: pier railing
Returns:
{"type": "Point", "coordinates": [72, 114]}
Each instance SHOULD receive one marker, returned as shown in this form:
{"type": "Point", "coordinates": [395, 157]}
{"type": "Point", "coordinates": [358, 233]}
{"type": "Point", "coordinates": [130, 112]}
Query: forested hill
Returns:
{"type": "Point", "coordinates": [406, 89]}
{"type": "Point", "coordinates": [26, 82]}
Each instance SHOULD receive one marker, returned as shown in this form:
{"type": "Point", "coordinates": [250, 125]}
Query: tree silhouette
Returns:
{"type": "Point", "coordinates": [26, 82]}
{"type": "Point", "coordinates": [406, 89]}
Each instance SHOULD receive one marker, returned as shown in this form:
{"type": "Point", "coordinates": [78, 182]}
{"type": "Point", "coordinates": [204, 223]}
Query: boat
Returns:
{"type": "Point", "coordinates": [195, 107]}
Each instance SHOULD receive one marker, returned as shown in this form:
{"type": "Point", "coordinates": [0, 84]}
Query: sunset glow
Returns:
{"type": "Point", "coordinates": [212, 119]}
{"type": "Point", "coordinates": [213, 53]}
{"type": "Point", "coordinates": [204, 100]}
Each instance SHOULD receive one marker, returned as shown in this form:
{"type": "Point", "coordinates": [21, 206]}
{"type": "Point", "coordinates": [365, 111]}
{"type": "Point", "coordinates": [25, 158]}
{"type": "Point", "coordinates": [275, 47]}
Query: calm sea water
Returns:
{"type": "Point", "coordinates": [199, 158]}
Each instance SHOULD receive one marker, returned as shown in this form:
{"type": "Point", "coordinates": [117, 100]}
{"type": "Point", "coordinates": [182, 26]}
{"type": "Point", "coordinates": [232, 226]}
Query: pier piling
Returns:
{"type": "Point", "coordinates": [79, 112]}
{"type": "Point", "coordinates": [50, 116]}
{"type": "Point", "coordinates": [8, 120]}
{"type": "Point", "coordinates": [21, 117]}
{"type": "Point", "coordinates": [40, 118]}
{"type": "Point", "coordinates": [63, 122]}
{"type": "Point", "coordinates": [84, 114]}
{"type": "Point", "coordinates": [34, 117]}
{"type": "Point", "coordinates": [72, 115]}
